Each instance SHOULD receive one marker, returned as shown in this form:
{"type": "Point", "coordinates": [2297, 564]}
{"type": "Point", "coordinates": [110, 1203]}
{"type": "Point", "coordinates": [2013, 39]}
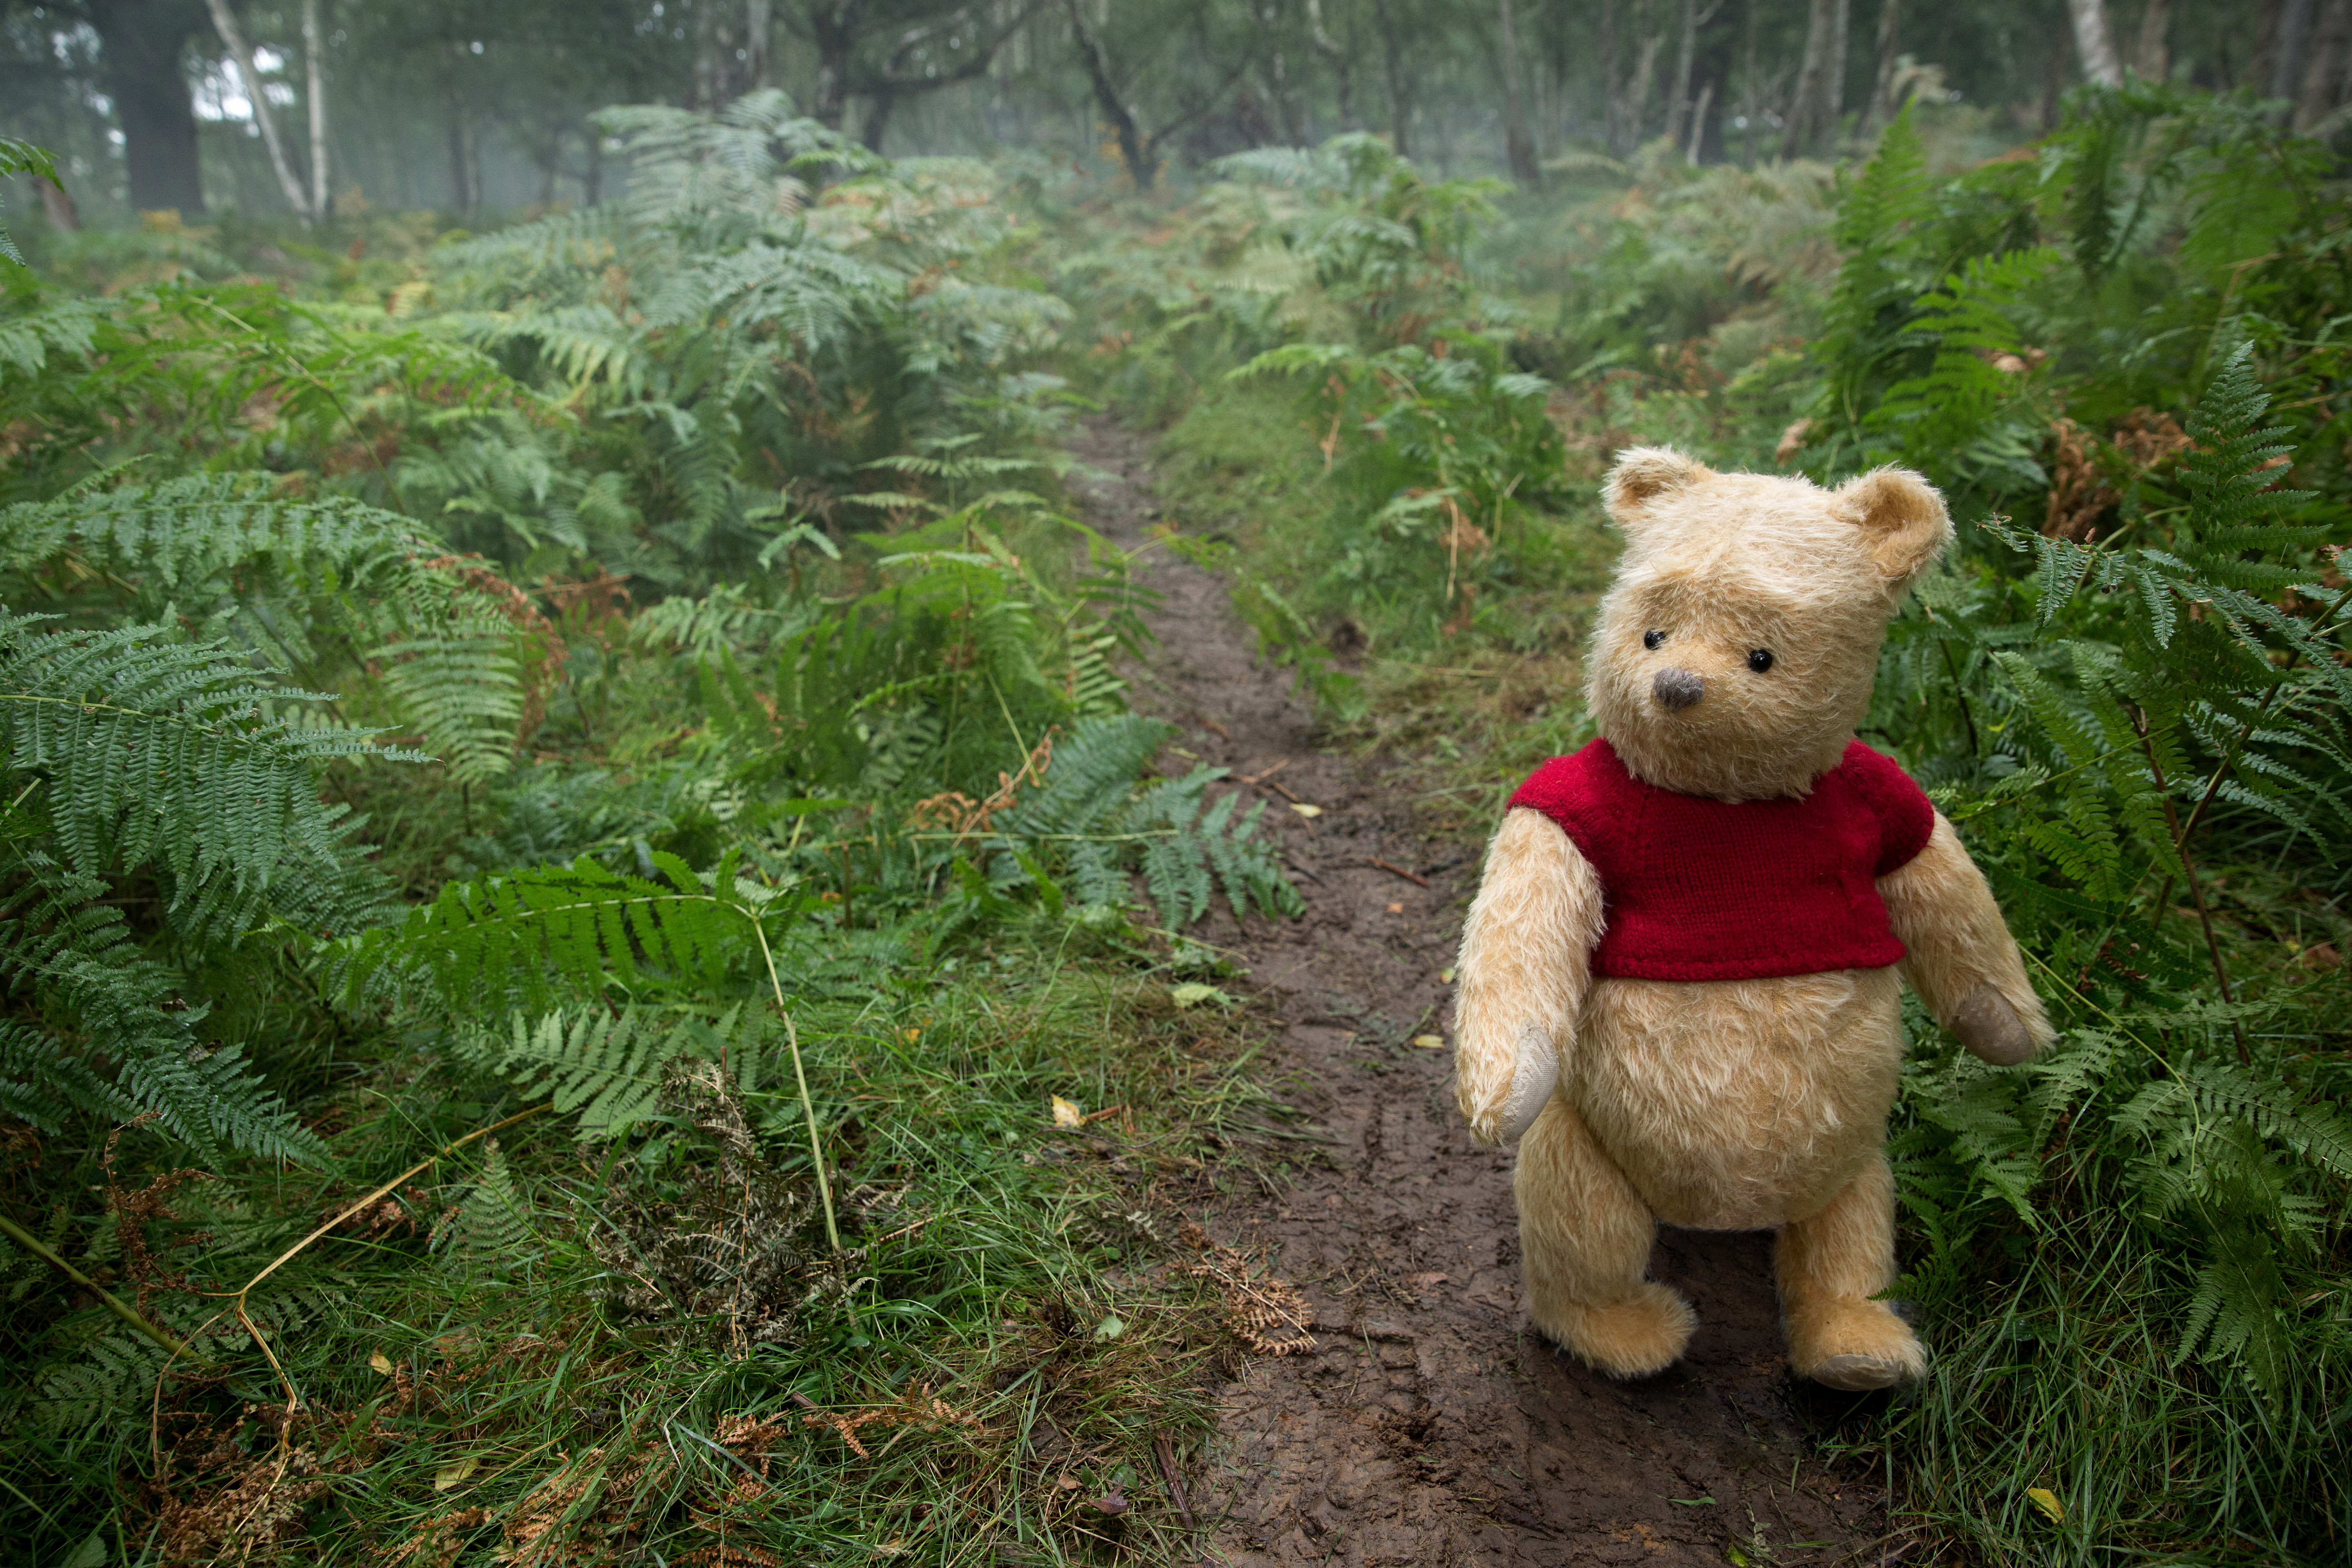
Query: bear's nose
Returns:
{"type": "Point", "coordinates": [1677, 688]}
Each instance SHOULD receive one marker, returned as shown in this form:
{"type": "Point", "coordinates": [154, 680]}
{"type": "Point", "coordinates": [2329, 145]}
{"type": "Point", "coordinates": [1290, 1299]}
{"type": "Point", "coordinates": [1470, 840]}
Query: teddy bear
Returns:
{"type": "Point", "coordinates": [1679, 984]}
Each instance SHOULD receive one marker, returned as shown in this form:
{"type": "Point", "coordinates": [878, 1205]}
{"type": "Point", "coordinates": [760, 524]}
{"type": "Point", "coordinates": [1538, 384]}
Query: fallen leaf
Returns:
{"type": "Point", "coordinates": [1066, 1114]}
{"type": "Point", "coordinates": [1110, 1329]}
{"type": "Point", "coordinates": [1303, 809]}
{"type": "Point", "coordinates": [2047, 1502]}
{"type": "Point", "coordinates": [1193, 993]}
{"type": "Point", "coordinates": [1446, 977]}
{"type": "Point", "coordinates": [456, 1472]}
{"type": "Point", "coordinates": [1430, 1041]}
{"type": "Point", "coordinates": [1423, 1284]}
{"type": "Point", "coordinates": [1111, 1502]}
{"type": "Point", "coordinates": [910, 1035]}
{"type": "Point", "coordinates": [381, 1362]}
{"type": "Point", "coordinates": [1396, 908]}
{"type": "Point", "coordinates": [1069, 1483]}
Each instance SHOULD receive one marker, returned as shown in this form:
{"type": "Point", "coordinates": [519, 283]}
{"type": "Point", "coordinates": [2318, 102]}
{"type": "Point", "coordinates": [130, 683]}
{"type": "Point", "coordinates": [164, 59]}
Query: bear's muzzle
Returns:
{"type": "Point", "coordinates": [1676, 689]}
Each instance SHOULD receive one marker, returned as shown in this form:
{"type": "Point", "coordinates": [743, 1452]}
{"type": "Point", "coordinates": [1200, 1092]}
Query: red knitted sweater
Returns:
{"type": "Point", "coordinates": [1706, 890]}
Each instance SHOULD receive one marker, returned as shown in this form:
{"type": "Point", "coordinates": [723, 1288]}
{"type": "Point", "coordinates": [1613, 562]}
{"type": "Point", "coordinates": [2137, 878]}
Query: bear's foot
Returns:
{"type": "Point", "coordinates": [1855, 1345]}
{"type": "Point", "coordinates": [1643, 1333]}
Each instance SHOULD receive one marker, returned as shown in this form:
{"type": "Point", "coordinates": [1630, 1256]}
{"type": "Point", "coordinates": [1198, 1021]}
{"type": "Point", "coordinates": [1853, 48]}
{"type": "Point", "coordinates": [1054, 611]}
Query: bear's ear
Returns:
{"type": "Point", "coordinates": [1643, 474]}
{"type": "Point", "coordinates": [1902, 519]}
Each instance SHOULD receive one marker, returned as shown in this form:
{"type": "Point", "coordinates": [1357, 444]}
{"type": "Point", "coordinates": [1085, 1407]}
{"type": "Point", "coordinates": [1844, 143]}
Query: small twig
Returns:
{"type": "Point", "coordinates": [1415, 877]}
{"type": "Point", "coordinates": [1098, 1115]}
{"type": "Point", "coordinates": [115, 1304]}
{"type": "Point", "coordinates": [1279, 790]}
{"type": "Point", "coordinates": [2196, 893]}
{"type": "Point", "coordinates": [1245, 778]}
{"type": "Point", "coordinates": [1167, 1453]}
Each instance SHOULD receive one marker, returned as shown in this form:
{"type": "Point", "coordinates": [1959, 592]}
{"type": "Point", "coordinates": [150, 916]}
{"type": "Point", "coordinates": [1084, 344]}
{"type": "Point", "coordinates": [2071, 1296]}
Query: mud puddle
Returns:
{"type": "Point", "coordinates": [1431, 1426]}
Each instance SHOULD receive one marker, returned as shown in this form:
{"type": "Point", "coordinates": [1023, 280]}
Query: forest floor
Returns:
{"type": "Point", "coordinates": [1429, 1425]}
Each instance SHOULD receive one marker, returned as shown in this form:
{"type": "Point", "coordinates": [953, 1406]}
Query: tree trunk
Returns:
{"type": "Point", "coordinates": [1882, 106]}
{"type": "Point", "coordinates": [877, 122]}
{"type": "Point", "coordinates": [759, 40]}
{"type": "Point", "coordinates": [140, 43]}
{"type": "Point", "coordinates": [1750, 93]}
{"type": "Point", "coordinates": [2323, 75]}
{"type": "Point", "coordinates": [314, 59]}
{"type": "Point", "coordinates": [242, 58]}
{"type": "Point", "coordinates": [2288, 63]}
{"type": "Point", "coordinates": [462, 195]}
{"type": "Point", "coordinates": [1833, 78]}
{"type": "Point", "coordinates": [1518, 146]}
{"type": "Point", "coordinates": [1698, 122]}
{"type": "Point", "coordinates": [1612, 135]}
{"type": "Point", "coordinates": [1803, 130]}
{"type": "Point", "coordinates": [1342, 65]}
{"type": "Point", "coordinates": [1399, 108]}
{"type": "Point", "coordinates": [2094, 44]}
{"type": "Point", "coordinates": [831, 30]}
{"type": "Point", "coordinates": [1142, 166]}
{"type": "Point", "coordinates": [1679, 101]}
{"type": "Point", "coordinates": [2152, 57]}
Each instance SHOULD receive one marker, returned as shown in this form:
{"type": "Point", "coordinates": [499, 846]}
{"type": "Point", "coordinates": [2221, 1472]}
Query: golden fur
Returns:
{"type": "Point", "coordinates": [1735, 1104]}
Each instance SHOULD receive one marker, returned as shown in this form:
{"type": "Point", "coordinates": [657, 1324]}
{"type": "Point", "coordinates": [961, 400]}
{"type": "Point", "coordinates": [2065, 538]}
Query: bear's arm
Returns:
{"type": "Point", "coordinates": [1526, 961]}
{"type": "Point", "coordinates": [1961, 958]}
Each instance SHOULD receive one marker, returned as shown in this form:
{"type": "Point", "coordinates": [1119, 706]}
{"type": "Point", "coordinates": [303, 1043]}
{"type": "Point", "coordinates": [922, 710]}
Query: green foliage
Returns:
{"type": "Point", "coordinates": [21, 158]}
{"type": "Point", "coordinates": [1090, 817]}
{"type": "Point", "coordinates": [136, 760]}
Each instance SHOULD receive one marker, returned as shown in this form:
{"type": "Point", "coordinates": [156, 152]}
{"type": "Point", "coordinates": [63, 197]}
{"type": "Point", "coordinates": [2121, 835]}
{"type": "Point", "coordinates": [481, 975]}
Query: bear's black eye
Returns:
{"type": "Point", "coordinates": [1759, 660]}
{"type": "Point", "coordinates": [1654, 641]}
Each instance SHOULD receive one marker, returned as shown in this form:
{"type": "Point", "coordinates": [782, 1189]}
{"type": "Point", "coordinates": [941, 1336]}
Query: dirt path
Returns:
{"type": "Point", "coordinates": [1431, 1426]}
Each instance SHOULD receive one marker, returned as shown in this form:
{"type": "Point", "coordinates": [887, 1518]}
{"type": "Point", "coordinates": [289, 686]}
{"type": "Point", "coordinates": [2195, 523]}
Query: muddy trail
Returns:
{"type": "Point", "coordinates": [1429, 1425]}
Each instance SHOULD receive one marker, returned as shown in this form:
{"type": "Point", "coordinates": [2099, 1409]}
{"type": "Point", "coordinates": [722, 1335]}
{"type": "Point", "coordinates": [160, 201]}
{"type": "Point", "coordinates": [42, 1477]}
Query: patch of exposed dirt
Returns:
{"type": "Point", "coordinates": [1431, 1426]}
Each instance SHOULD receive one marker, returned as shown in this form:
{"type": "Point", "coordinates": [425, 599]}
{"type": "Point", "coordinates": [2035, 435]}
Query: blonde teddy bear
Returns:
{"type": "Point", "coordinates": [1680, 979]}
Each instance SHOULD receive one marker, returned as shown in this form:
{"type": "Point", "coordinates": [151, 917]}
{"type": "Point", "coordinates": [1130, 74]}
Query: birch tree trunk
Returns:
{"type": "Point", "coordinates": [242, 58]}
{"type": "Point", "coordinates": [1342, 65]}
{"type": "Point", "coordinates": [2093, 43]}
{"type": "Point", "coordinates": [314, 60]}
{"type": "Point", "coordinates": [1518, 145]}
{"type": "Point", "coordinates": [1698, 122]}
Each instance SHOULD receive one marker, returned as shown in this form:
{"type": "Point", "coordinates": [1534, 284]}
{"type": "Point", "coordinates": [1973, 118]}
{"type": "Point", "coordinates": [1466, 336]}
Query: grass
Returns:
{"type": "Point", "coordinates": [585, 1353]}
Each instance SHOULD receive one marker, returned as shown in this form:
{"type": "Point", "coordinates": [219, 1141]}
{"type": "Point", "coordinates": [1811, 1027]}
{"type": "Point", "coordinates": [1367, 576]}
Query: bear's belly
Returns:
{"type": "Point", "coordinates": [1740, 1105]}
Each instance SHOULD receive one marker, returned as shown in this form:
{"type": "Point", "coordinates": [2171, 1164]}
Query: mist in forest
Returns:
{"type": "Point", "coordinates": [311, 108]}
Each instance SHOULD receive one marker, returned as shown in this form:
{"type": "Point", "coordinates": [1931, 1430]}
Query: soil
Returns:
{"type": "Point", "coordinates": [1431, 1425]}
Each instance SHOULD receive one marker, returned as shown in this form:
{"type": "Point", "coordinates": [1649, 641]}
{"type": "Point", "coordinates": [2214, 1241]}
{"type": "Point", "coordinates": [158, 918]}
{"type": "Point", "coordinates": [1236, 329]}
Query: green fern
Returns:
{"type": "Point", "coordinates": [1091, 817]}
{"type": "Point", "coordinates": [490, 1231]}
{"type": "Point", "coordinates": [106, 1389]}
{"type": "Point", "coordinates": [608, 1068]}
{"type": "Point", "coordinates": [552, 934]}
{"type": "Point", "coordinates": [22, 158]}
{"type": "Point", "coordinates": [132, 753]}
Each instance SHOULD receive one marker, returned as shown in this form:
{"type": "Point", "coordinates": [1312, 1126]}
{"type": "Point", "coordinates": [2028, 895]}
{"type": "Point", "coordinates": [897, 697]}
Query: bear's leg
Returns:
{"type": "Point", "coordinates": [1831, 1265]}
{"type": "Point", "coordinates": [1585, 1236]}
